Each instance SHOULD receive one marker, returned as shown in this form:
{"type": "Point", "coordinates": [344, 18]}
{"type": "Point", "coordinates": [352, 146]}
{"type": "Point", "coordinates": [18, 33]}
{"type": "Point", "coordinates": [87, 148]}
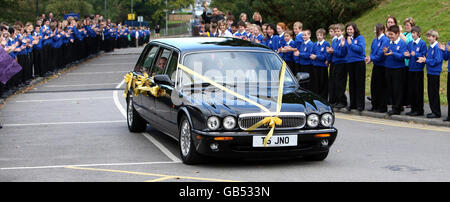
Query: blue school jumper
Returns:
{"type": "Point", "coordinates": [281, 43]}
{"type": "Point", "coordinates": [289, 56]}
{"type": "Point", "coordinates": [339, 53]}
{"type": "Point", "coordinates": [321, 54]}
{"type": "Point", "coordinates": [11, 42]}
{"type": "Point", "coordinates": [446, 56]}
{"type": "Point", "coordinates": [260, 38]}
{"type": "Point", "coordinates": [305, 52]}
{"type": "Point", "coordinates": [298, 42]}
{"type": "Point", "coordinates": [420, 49]}
{"type": "Point", "coordinates": [356, 52]}
{"type": "Point", "coordinates": [434, 60]}
{"type": "Point", "coordinates": [397, 59]}
{"type": "Point", "coordinates": [376, 50]}
{"type": "Point", "coordinates": [272, 42]}
{"type": "Point", "coordinates": [240, 35]}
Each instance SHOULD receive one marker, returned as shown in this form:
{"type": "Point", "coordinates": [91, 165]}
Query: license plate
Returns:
{"type": "Point", "coordinates": [276, 141]}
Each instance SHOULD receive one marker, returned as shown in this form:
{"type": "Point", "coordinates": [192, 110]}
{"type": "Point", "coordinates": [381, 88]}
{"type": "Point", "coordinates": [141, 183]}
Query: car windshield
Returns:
{"type": "Point", "coordinates": [234, 67]}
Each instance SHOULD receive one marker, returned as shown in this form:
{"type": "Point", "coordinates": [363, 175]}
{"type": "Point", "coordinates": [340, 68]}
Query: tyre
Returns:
{"type": "Point", "coordinates": [189, 154]}
{"type": "Point", "coordinates": [317, 157]}
{"type": "Point", "coordinates": [135, 122]}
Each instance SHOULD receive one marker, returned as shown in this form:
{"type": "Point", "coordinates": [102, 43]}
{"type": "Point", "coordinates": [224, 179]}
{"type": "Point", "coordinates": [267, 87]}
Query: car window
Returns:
{"type": "Point", "coordinates": [148, 61]}
{"type": "Point", "coordinates": [172, 66]}
{"type": "Point", "coordinates": [140, 62]}
{"type": "Point", "coordinates": [161, 63]}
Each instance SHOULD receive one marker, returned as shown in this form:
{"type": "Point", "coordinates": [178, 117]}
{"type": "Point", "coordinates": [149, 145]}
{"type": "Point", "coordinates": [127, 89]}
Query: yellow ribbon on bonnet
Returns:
{"type": "Point", "coordinates": [270, 121]}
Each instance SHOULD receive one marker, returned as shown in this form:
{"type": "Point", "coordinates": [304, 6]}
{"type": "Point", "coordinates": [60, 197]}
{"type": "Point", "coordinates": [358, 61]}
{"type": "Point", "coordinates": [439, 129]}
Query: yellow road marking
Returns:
{"type": "Point", "coordinates": [162, 176]}
{"type": "Point", "coordinates": [161, 179]}
{"type": "Point", "coordinates": [391, 122]}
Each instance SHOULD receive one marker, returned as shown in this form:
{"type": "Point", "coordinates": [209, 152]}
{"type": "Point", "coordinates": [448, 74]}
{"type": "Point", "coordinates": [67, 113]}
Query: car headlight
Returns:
{"type": "Point", "coordinates": [327, 120]}
{"type": "Point", "coordinates": [229, 123]}
{"type": "Point", "coordinates": [313, 120]}
{"type": "Point", "coordinates": [213, 123]}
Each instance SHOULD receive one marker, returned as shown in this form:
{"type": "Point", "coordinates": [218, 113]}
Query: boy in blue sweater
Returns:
{"type": "Point", "coordinates": [395, 63]}
{"type": "Point", "coordinates": [319, 57]}
{"type": "Point", "coordinates": [287, 50]}
{"type": "Point", "coordinates": [338, 51]}
{"type": "Point", "coordinates": [433, 60]}
{"type": "Point", "coordinates": [415, 49]}
{"type": "Point", "coordinates": [304, 53]}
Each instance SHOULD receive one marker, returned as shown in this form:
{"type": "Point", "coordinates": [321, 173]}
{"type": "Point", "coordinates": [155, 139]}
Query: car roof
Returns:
{"type": "Point", "coordinates": [194, 44]}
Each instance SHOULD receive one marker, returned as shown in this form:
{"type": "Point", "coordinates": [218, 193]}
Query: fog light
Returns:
{"type": "Point", "coordinates": [324, 143]}
{"type": "Point", "coordinates": [214, 146]}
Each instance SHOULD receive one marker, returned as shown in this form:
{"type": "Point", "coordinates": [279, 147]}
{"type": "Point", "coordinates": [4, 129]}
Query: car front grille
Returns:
{"type": "Point", "coordinates": [290, 120]}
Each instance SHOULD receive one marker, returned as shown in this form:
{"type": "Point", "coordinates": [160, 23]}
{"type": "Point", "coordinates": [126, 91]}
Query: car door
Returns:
{"type": "Point", "coordinates": [148, 100]}
{"type": "Point", "coordinates": [166, 64]}
{"type": "Point", "coordinates": [139, 67]}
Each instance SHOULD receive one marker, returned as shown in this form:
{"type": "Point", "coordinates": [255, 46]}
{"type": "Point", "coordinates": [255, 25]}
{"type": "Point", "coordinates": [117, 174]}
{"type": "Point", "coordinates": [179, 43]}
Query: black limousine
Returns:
{"type": "Point", "coordinates": [207, 121]}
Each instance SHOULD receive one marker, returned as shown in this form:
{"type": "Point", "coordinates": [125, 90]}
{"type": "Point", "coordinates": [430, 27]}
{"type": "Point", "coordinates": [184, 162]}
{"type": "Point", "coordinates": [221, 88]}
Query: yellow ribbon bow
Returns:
{"type": "Point", "coordinates": [141, 84]}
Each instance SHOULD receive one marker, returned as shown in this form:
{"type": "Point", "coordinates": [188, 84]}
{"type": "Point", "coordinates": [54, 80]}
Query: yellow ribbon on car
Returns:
{"type": "Point", "coordinates": [271, 121]}
{"type": "Point", "coordinates": [141, 84]}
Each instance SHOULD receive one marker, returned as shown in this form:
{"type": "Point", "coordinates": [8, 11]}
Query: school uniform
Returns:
{"type": "Point", "coordinates": [260, 38]}
{"type": "Point", "coordinates": [240, 35]}
{"type": "Point", "coordinates": [281, 43]}
{"type": "Point", "coordinates": [415, 76]}
{"type": "Point", "coordinates": [340, 72]}
{"type": "Point", "coordinates": [356, 66]}
{"type": "Point", "coordinates": [38, 56]}
{"type": "Point", "coordinates": [305, 62]}
{"type": "Point", "coordinates": [395, 65]}
{"type": "Point", "coordinates": [319, 77]}
{"type": "Point", "coordinates": [331, 76]}
{"type": "Point", "coordinates": [378, 80]}
{"type": "Point", "coordinates": [272, 42]}
{"type": "Point", "coordinates": [298, 42]}
{"type": "Point", "coordinates": [434, 69]}
{"type": "Point", "coordinates": [289, 56]}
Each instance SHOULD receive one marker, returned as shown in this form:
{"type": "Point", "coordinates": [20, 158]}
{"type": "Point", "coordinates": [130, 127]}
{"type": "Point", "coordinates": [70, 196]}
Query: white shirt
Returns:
{"type": "Point", "coordinates": [321, 42]}
{"type": "Point", "coordinates": [417, 41]}
{"type": "Point", "coordinates": [381, 35]}
{"type": "Point", "coordinates": [396, 41]}
{"type": "Point", "coordinates": [225, 34]}
{"type": "Point", "coordinates": [434, 44]}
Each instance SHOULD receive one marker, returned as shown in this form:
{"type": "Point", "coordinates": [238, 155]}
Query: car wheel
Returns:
{"type": "Point", "coordinates": [316, 157]}
{"type": "Point", "coordinates": [188, 152]}
{"type": "Point", "coordinates": [135, 122]}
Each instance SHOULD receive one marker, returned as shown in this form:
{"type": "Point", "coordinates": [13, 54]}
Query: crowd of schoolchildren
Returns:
{"type": "Point", "coordinates": [399, 58]}
{"type": "Point", "coordinates": [43, 47]}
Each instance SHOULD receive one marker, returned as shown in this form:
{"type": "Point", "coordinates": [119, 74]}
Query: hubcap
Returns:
{"type": "Point", "coordinates": [130, 111]}
{"type": "Point", "coordinates": [185, 138]}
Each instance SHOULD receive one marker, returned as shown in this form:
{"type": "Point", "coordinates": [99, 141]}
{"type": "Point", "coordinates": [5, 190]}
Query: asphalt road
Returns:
{"type": "Point", "coordinates": [73, 128]}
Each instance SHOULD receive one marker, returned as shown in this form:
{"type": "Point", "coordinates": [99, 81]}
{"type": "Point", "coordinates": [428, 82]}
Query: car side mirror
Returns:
{"type": "Point", "coordinates": [303, 77]}
{"type": "Point", "coordinates": [163, 79]}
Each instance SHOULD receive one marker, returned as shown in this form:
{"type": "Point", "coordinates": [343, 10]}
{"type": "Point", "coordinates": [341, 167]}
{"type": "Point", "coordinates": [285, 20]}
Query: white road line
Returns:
{"type": "Point", "coordinates": [62, 100]}
{"type": "Point", "coordinates": [161, 147]}
{"type": "Point", "coordinates": [146, 135]}
{"type": "Point", "coordinates": [111, 64]}
{"type": "Point", "coordinates": [90, 73]}
{"type": "Point", "coordinates": [79, 85]}
{"type": "Point", "coordinates": [62, 123]}
{"type": "Point", "coordinates": [88, 165]}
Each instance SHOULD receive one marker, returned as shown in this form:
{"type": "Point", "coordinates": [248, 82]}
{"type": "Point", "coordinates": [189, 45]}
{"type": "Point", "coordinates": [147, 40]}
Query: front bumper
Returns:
{"type": "Point", "coordinates": [241, 146]}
